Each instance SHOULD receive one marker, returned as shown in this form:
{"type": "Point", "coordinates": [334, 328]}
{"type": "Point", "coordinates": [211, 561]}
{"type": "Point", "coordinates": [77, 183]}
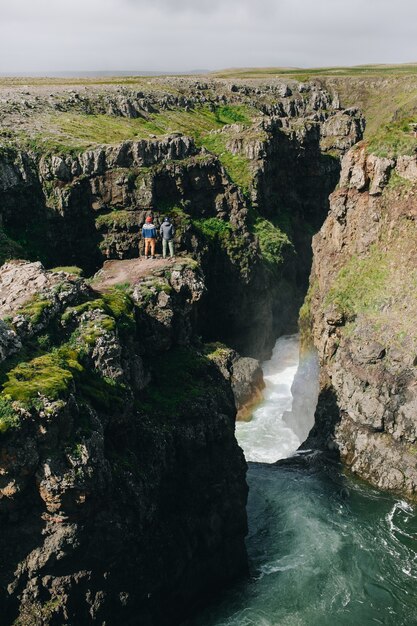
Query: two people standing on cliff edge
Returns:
{"type": "Point", "coordinates": [166, 231]}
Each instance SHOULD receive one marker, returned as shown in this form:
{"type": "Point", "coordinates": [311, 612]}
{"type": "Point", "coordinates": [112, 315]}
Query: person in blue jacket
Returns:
{"type": "Point", "coordinates": [149, 235]}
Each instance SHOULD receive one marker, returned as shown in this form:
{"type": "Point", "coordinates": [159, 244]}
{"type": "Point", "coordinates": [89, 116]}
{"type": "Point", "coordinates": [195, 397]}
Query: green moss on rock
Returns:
{"type": "Point", "coordinates": [212, 227]}
{"type": "Point", "coordinates": [35, 308]}
{"type": "Point", "coordinates": [274, 244]}
{"type": "Point", "coordinates": [116, 219]}
{"type": "Point", "coordinates": [393, 139]}
{"type": "Point", "coordinates": [79, 309]}
{"type": "Point", "coordinates": [115, 303]}
{"type": "Point", "coordinates": [237, 166]}
{"type": "Point", "coordinates": [101, 392]}
{"type": "Point", "coordinates": [305, 321]}
{"type": "Point", "coordinates": [49, 375]}
{"type": "Point", "coordinates": [8, 416]}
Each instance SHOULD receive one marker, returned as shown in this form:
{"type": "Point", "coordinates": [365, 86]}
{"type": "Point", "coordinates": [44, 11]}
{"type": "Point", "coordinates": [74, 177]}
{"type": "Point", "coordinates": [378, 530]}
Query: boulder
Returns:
{"type": "Point", "coordinates": [406, 167]}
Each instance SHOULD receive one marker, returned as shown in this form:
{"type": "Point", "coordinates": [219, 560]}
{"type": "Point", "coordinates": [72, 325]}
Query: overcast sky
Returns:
{"type": "Point", "coordinates": [172, 35]}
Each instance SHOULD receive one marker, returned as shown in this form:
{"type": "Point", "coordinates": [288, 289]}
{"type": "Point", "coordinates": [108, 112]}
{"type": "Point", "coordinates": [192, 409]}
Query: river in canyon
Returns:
{"type": "Point", "coordinates": [324, 548]}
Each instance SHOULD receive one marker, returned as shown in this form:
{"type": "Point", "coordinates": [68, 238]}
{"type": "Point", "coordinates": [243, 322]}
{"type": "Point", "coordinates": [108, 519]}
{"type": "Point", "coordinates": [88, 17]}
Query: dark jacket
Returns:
{"type": "Point", "coordinates": [149, 231]}
{"type": "Point", "coordinates": [167, 231]}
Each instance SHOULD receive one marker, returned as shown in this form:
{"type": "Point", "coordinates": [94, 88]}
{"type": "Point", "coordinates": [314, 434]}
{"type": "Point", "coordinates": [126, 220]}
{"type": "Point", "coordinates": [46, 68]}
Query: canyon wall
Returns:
{"type": "Point", "coordinates": [122, 487]}
{"type": "Point", "coordinates": [245, 197]}
{"type": "Point", "coordinates": [362, 308]}
{"type": "Point", "coordinates": [122, 492]}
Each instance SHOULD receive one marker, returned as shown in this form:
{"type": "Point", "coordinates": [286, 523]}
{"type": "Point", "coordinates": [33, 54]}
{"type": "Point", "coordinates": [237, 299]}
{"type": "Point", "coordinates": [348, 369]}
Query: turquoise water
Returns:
{"type": "Point", "coordinates": [324, 549]}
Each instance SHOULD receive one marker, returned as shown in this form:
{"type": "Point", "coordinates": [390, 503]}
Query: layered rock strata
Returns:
{"type": "Point", "coordinates": [264, 182]}
{"type": "Point", "coordinates": [362, 308]}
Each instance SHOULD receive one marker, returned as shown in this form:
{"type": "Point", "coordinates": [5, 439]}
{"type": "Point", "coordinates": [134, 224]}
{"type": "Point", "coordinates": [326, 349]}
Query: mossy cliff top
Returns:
{"type": "Point", "coordinates": [386, 94]}
{"type": "Point", "coordinates": [64, 119]}
{"type": "Point", "coordinates": [51, 338]}
{"type": "Point", "coordinates": [243, 168]}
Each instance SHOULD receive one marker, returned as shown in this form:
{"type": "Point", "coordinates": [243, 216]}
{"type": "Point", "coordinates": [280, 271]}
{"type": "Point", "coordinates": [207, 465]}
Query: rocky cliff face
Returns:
{"type": "Point", "coordinates": [122, 487]}
{"type": "Point", "coordinates": [362, 307]}
{"type": "Point", "coordinates": [122, 492]}
{"type": "Point", "coordinates": [245, 196]}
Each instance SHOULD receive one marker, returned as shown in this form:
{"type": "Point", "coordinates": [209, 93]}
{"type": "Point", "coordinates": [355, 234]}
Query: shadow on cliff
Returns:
{"type": "Point", "coordinates": [48, 234]}
{"type": "Point", "coordinates": [22, 532]}
{"type": "Point", "coordinates": [294, 188]}
{"type": "Point", "coordinates": [326, 419]}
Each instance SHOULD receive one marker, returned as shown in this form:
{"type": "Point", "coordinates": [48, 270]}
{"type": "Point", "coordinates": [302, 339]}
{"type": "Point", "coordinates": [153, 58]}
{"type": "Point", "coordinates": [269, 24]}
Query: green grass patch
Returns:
{"type": "Point", "coordinates": [232, 114]}
{"type": "Point", "coordinates": [361, 284]}
{"type": "Point", "coordinates": [274, 243]}
{"type": "Point", "coordinates": [393, 139]}
{"type": "Point", "coordinates": [119, 303]}
{"type": "Point", "coordinates": [90, 305]}
{"type": "Point", "coordinates": [237, 166]}
{"type": "Point", "coordinates": [74, 132]}
{"type": "Point", "coordinates": [101, 129]}
{"type": "Point", "coordinates": [115, 219]}
{"type": "Point", "coordinates": [177, 215]}
{"type": "Point", "coordinates": [116, 303]}
{"type": "Point", "coordinates": [219, 233]}
{"type": "Point", "coordinates": [306, 73]}
{"type": "Point", "coordinates": [35, 308]}
{"type": "Point", "coordinates": [213, 228]}
{"type": "Point", "coordinates": [49, 375]}
{"type": "Point", "coordinates": [42, 144]}
{"type": "Point", "coordinates": [399, 184]}
{"type": "Point", "coordinates": [68, 269]}
{"type": "Point", "coordinates": [216, 350]}
{"type": "Point", "coordinates": [45, 371]}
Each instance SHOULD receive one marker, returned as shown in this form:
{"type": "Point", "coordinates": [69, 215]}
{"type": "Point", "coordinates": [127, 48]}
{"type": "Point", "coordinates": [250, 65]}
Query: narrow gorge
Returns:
{"type": "Point", "coordinates": [122, 487]}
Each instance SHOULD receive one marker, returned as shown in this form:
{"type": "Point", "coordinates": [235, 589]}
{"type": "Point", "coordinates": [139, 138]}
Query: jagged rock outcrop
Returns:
{"type": "Point", "coordinates": [82, 206]}
{"type": "Point", "coordinates": [246, 378]}
{"type": "Point", "coordinates": [129, 154]}
{"type": "Point", "coordinates": [122, 488]}
{"type": "Point", "coordinates": [362, 309]}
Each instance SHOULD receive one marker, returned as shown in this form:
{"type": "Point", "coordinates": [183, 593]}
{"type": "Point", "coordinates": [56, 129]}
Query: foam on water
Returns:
{"type": "Point", "coordinates": [282, 422]}
{"type": "Point", "coordinates": [324, 550]}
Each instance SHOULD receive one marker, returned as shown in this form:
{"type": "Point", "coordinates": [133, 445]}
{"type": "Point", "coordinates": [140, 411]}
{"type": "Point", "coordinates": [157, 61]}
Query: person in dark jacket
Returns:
{"type": "Point", "coordinates": [167, 232]}
{"type": "Point", "coordinates": [149, 235]}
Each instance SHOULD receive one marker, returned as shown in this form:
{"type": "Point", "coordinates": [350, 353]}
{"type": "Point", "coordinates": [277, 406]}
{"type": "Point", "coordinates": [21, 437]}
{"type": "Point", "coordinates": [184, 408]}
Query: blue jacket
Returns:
{"type": "Point", "coordinates": [149, 231]}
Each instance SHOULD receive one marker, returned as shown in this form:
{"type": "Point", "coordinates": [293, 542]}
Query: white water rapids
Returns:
{"type": "Point", "coordinates": [282, 422]}
{"type": "Point", "coordinates": [324, 549]}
